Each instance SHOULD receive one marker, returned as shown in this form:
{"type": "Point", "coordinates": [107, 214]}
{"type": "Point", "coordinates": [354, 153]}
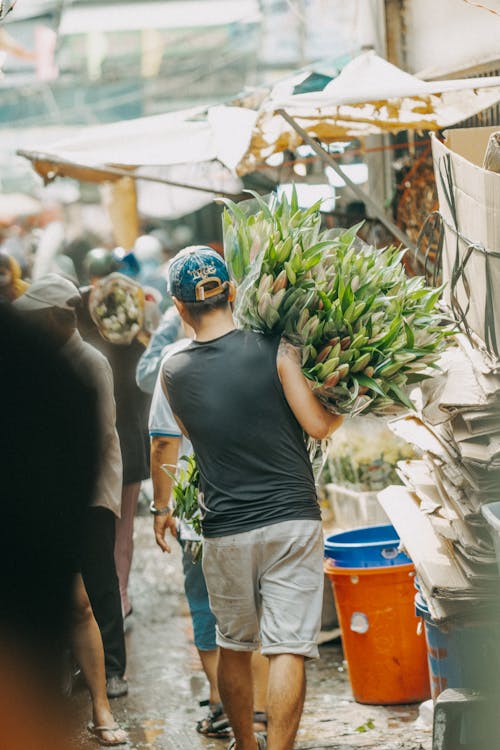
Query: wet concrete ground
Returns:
{"type": "Point", "coordinates": [166, 680]}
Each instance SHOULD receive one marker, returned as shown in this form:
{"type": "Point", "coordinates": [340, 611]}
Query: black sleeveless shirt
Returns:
{"type": "Point", "coordinates": [254, 466]}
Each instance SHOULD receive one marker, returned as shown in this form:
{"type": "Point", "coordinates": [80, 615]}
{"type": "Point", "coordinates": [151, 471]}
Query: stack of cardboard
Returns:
{"type": "Point", "coordinates": [437, 513]}
{"type": "Point", "coordinates": [457, 427]}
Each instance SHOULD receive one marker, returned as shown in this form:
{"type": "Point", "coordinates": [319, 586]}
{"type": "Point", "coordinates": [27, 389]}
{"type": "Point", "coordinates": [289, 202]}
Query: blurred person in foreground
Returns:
{"type": "Point", "coordinates": [49, 470]}
{"type": "Point", "coordinates": [11, 283]}
{"type": "Point", "coordinates": [50, 304]}
{"type": "Point", "coordinates": [132, 409]}
{"type": "Point", "coordinates": [243, 401]}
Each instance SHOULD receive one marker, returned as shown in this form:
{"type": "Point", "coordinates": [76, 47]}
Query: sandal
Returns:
{"type": "Point", "coordinates": [98, 733]}
{"type": "Point", "coordinates": [216, 723]}
{"type": "Point", "coordinates": [259, 736]}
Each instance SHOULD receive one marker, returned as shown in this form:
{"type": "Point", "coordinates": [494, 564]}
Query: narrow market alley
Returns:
{"type": "Point", "coordinates": [166, 681]}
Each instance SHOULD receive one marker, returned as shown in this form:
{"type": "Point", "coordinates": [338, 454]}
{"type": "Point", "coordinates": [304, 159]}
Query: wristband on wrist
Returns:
{"type": "Point", "coordinates": [158, 511]}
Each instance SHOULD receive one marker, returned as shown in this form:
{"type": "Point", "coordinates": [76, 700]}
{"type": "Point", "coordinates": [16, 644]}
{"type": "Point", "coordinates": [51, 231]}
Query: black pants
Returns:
{"type": "Point", "coordinates": [99, 575]}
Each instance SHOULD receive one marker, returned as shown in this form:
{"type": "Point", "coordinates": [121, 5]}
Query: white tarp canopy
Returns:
{"type": "Point", "coordinates": [370, 78]}
{"type": "Point", "coordinates": [183, 137]}
{"type": "Point", "coordinates": [167, 202]}
{"type": "Point", "coordinates": [198, 148]}
{"type": "Point", "coordinates": [370, 96]}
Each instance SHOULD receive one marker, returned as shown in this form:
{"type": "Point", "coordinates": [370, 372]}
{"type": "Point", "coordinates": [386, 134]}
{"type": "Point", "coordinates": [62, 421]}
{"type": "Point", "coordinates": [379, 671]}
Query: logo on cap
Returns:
{"type": "Point", "coordinates": [197, 273]}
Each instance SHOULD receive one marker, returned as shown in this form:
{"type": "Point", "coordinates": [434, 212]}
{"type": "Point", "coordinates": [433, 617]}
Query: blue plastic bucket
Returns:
{"type": "Point", "coordinates": [368, 547]}
{"type": "Point", "coordinates": [464, 655]}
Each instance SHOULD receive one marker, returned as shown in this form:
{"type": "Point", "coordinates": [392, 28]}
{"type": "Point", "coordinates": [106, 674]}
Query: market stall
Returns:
{"type": "Point", "coordinates": [357, 98]}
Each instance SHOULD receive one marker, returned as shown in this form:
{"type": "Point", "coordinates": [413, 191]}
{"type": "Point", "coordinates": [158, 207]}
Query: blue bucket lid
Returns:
{"type": "Point", "coordinates": [366, 536]}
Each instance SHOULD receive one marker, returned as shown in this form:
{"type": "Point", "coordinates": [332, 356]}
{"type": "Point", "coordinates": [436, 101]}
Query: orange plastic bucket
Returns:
{"type": "Point", "coordinates": [385, 651]}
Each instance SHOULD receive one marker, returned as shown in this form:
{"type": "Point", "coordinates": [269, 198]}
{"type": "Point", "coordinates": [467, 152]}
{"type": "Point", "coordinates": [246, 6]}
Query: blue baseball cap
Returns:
{"type": "Point", "coordinates": [197, 273]}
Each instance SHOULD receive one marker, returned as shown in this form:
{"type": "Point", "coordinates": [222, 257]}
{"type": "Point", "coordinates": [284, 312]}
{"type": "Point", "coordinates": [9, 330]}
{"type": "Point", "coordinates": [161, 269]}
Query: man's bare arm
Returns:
{"type": "Point", "coordinates": [164, 450]}
{"type": "Point", "coordinates": [317, 421]}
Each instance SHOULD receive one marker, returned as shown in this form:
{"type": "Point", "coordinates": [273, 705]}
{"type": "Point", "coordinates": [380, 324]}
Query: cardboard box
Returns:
{"type": "Point", "coordinates": [470, 142]}
{"type": "Point", "coordinates": [471, 230]}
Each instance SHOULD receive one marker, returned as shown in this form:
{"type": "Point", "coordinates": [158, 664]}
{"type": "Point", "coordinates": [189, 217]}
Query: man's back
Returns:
{"type": "Point", "coordinates": [253, 461]}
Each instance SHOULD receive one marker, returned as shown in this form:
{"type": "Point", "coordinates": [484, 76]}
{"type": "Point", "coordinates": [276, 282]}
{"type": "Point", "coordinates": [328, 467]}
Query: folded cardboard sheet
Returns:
{"type": "Point", "coordinates": [431, 554]}
{"type": "Point", "coordinates": [447, 517]}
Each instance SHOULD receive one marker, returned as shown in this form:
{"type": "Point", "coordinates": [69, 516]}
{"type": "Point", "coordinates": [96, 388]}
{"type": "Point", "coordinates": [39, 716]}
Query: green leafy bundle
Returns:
{"type": "Point", "coordinates": [365, 329]}
{"type": "Point", "coordinates": [185, 492]}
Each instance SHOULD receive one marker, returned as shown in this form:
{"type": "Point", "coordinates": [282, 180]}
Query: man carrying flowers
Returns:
{"type": "Point", "coordinates": [243, 401]}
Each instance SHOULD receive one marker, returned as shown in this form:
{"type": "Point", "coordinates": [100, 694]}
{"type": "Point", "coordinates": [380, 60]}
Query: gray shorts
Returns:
{"type": "Point", "coordinates": [266, 587]}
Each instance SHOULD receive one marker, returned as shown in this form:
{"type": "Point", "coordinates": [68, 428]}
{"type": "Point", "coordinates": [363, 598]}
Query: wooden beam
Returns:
{"type": "Point", "coordinates": [395, 32]}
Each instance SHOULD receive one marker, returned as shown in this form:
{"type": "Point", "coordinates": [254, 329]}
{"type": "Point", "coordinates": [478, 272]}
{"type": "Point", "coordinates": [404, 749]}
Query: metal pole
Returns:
{"type": "Point", "coordinates": [327, 159]}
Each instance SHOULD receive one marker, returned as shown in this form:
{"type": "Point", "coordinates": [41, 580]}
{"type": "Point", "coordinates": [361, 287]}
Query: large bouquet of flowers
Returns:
{"type": "Point", "coordinates": [365, 329]}
{"type": "Point", "coordinates": [116, 305]}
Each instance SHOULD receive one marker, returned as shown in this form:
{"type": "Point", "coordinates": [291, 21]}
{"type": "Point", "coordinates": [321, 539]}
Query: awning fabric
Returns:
{"type": "Point", "coordinates": [197, 147]}
{"type": "Point", "coordinates": [183, 137]}
{"type": "Point", "coordinates": [370, 96]}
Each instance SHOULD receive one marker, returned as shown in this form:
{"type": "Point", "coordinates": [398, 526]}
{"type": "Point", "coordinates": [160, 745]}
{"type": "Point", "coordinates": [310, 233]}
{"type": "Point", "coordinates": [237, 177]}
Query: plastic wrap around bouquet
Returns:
{"type": "Point", "coordinates": [365, 329]}
{"type": "Point", "coordinates": [116, 305]}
